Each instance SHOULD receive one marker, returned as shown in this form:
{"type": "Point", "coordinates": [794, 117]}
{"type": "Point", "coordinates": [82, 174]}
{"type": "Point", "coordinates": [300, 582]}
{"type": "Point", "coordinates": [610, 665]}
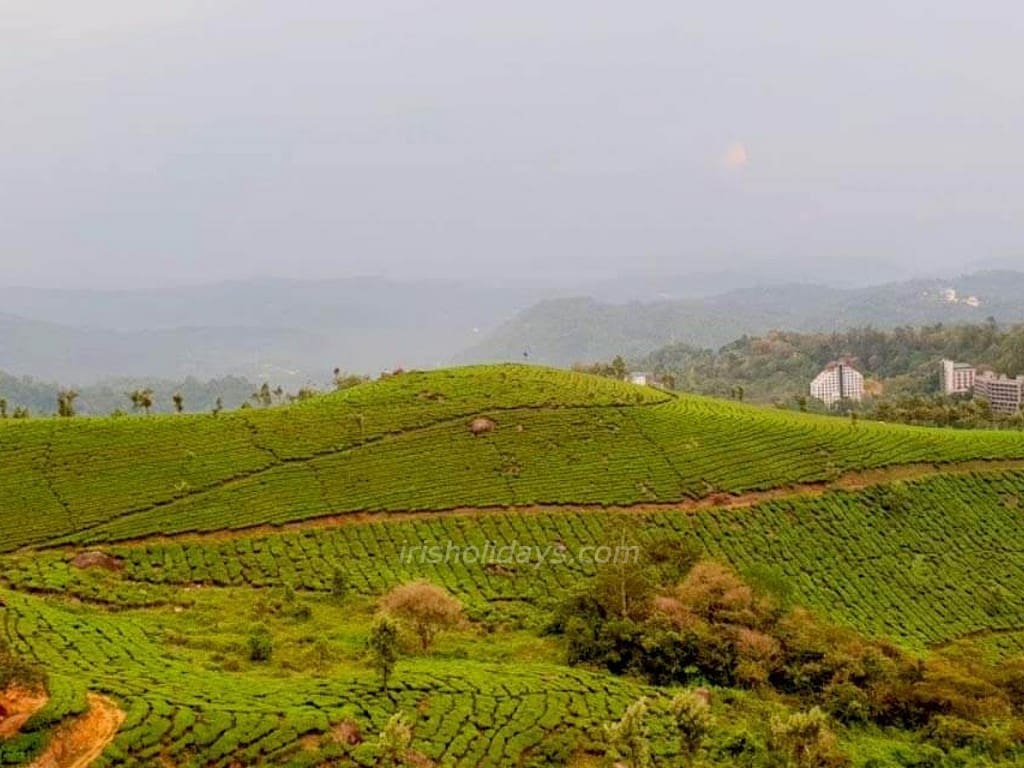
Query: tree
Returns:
{"type": "Point", "coordinates": [142, 399]}
{"type": "Point", "coordinates": [627, 739]}
{"type": "Point", "coordinates": [218, 406]}
{"type": "Point", "coordinates": [339, 584]}
{"type": "Point", "coordinates": [426, 608]}
{"type": "Point", "coordinates": [264, 396]}
{"type": "Point", "coordinates": [383, 648]}
{"type": "Point", "coordinates": [805, 740]}
{"type": "Point", "coordinates": [179, 402]}
{"type": "Point", "coordinates": [619, 369]}
{"type": "Point", "coordinates": [394, 741]}
{"type": "Point", "coordinates": [343, 380]}
{"type": "Point", "coordinates": [3, 408]}
{"type": "Point", "coordinates": [623, 584]}
{"type": "Point", "coordinates": [66, 403]}
{"type": "Point", "coordinates": [693, 720]}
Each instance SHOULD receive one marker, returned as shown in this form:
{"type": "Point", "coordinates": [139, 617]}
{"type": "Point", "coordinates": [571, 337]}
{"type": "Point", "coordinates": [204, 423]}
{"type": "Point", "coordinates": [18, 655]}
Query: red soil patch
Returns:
{"type": "Point", "coordinates": [77, 743]}
{"type": "Point", "coordinates": [17, 705]}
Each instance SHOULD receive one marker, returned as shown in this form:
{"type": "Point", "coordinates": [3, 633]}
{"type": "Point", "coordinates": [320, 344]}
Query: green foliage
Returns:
{"type": "Point", "coordinates": [691, 713]}
{"type": "Point", "coordinates": [261, 645]}
{"type": "Point", "coordinates": [383, 649]}
{"type": "Point", "coordinates": [561, 439]}
{"type": "Point", "coordinates": [806, 740]}
{"type": "Point", "coordinates": [923, 562]}
{"type": "Point", "coordinates": [628, 738]}
{"type": "Point", "coordinates": [15, 670]}
{"type": "Point", "coordinates": [394, 741]}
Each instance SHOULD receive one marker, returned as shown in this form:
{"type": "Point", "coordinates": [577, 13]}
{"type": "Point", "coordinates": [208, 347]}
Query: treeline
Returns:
{"type": "Point", "coordinates": [25, 397]}
{"type": "Point", "coordinates": [782, 363]}
{"type": "Point", "coordinates": [38, 398]}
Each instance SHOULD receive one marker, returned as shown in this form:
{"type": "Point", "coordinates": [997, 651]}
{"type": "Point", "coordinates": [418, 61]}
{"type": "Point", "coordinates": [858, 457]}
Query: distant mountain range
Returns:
{"type": "Point", "coordinates": [290, 332]}
{"type": "Point", "coordinates": [294, 333]}
{"type": "Point", "coordinates": [563, 331]}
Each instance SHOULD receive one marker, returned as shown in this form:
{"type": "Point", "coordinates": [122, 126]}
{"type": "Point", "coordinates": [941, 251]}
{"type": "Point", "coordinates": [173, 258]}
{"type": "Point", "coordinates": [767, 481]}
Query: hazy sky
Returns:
{"type": "Point", "coordinates": [151, 142]}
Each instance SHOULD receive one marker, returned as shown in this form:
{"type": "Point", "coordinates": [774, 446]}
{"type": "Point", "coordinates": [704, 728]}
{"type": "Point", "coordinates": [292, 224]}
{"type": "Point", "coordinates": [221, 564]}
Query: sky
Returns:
{"type": "Point", "coordinates": [146, 144]}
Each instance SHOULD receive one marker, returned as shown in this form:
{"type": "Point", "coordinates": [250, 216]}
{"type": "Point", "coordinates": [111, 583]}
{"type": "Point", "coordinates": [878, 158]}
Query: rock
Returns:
{"type": "Point", "coordinates": [97, 559]}
{"type": "Point", "coordinates": [482, 425]}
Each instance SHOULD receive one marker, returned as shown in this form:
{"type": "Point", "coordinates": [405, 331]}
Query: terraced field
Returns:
{"type": "Point", "coordinates": [223, 524]}
{"type": "Point", "coordinates": [403, 445]}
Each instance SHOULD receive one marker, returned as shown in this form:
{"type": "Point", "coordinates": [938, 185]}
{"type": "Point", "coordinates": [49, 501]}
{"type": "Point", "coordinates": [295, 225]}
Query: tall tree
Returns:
{"type": "Point", "coordinates": [66, 403]}
{"type": "Point", "coordinates": [383, 648]}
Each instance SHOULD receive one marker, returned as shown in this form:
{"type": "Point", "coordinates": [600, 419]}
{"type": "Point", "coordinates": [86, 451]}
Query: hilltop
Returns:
{"type": "Point", "coordinates": [212, 580]}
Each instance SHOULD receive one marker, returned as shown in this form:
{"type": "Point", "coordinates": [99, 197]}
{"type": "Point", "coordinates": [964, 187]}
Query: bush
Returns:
{"type": "Point", "coordinates": [261, 646]}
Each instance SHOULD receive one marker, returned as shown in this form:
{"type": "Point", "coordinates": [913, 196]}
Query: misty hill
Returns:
{"type": "Point", "coordinates": [563, 331]}
{"type": "Point", "coordinates": [290, 332]}
{"type": "Point", "coordinates": [80, 356]}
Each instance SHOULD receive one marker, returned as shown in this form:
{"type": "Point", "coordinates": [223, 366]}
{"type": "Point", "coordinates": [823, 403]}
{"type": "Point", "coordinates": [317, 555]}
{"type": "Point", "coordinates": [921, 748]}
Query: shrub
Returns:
{"type": "Point", "coordinates": [261, 645]}
{"type": "Point", "coordinates": [806, 740]}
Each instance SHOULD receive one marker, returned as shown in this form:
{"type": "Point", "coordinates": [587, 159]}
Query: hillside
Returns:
{"type": "Point", "coordinates": [289, 523]}
{"type": "Point", "coordinates": [403, 444]}
{"type": "Point", "coordinates": [564, 331]}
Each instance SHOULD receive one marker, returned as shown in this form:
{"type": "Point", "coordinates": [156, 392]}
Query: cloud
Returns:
{"type": "Point", "coordinates": [736, 156]}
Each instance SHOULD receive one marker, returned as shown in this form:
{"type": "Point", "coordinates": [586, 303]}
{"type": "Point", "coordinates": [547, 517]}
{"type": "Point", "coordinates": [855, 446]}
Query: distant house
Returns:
{"type": "Point", "coordinates": [1004, 395]}
{"type": "Point", "coordinates": [957, 378]}
{"type": "Point", "coordinates": [838, 381]}
{"type": "Point", "coordinates": [643, 378]}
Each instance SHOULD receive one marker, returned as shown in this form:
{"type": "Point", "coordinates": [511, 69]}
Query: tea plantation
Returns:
{"type": "Point", "coordinates": [291, 522]}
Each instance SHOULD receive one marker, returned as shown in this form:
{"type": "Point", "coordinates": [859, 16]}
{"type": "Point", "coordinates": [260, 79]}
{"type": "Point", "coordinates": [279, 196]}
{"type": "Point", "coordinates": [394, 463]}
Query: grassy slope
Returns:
{"type": "Point", "coordinates": [924, 562]}
{"type": "Point", "coordinates": [402, 444]}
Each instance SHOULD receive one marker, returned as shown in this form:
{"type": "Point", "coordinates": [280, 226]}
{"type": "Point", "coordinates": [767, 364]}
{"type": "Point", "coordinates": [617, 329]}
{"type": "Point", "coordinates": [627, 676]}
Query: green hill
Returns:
{"type": "Point", "coordinates": [403, 444]}
{"type": "Point", "coordinates": [219, 529]}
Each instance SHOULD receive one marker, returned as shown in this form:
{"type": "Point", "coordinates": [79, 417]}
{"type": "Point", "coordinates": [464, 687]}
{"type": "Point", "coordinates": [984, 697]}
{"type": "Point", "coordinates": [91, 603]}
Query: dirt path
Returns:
{"type": "Point", "coordinates": [17, 705]}
{"type": "Point", "coordinates": [78, 743]}
{"type": "Point", "coordinates": [851, 481]}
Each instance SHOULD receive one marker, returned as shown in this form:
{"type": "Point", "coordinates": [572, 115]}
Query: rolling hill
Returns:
{"type": "Point", "coordinates": [567, 330]}
{"type": "Point", "coordinates": [213, 528]}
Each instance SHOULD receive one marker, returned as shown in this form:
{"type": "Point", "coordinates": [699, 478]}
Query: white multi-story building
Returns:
{"type": "Point", "coordinates": [839, 381]}
{"type": "Point", "coordinates": [957, 378]}
{"type": "Point", "coordinates": [1004, 395]}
